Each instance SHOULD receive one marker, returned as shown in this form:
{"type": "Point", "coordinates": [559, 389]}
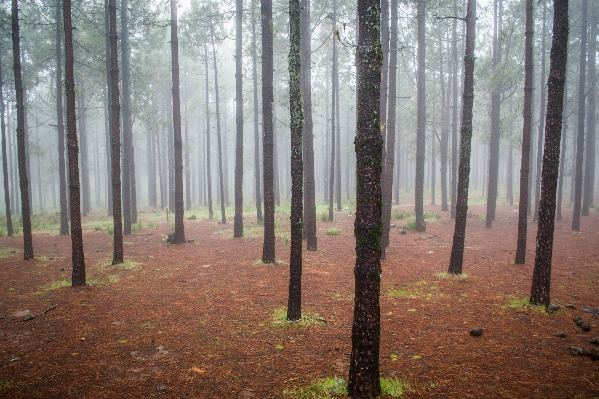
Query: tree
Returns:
{"type": "Point", "coordinates": [589, 158]}
{"type": "Point", "coordinates": [127, 122]}
{"type": "Point", "coordinates": [307, 139]}
{"type": "Point", "coordinates": [9, 228]}
{"type": "Point", "coordinates": [526, 130]}
{"type": "Point", "coordinates": [268, 249]}
{"type": "Point", "coordinates": [420, 118]}
{"type": "Point", "coordinates": [77, 255]}
{"type": "Point", "coordinates": [238, 222]}
{"type": "Point", "coordinates": [581, 117]}
{"type": "Point", "coordinates": [117, 256]}
{"type": "Point", "coordinates": [364, 379]}
{"type": "Point", "coordinates": [21, 135]}
{"type": "Point", "coordinates": [257, 179]}
{"type": "Point", "coordinates": [562, 161]}
{"type": "Point", "coordinates": [178, 236]}
{"type": "Point", "coordinates": [62, 181]}
{"type": "Point", "coordinates": [109, 106]}
{"type": "Point", "coordinates": [457, 249]}
{"type": "Point", "coordinates": [541, 278]}
{"type": "Point", "coordinates": [208, 169]}
{"type": "Point", "coordinates": [335, 93]}
{"type": "Point", "coordinates": [294, 305]}
{"type": "Point", "coordinates": [454, 112]}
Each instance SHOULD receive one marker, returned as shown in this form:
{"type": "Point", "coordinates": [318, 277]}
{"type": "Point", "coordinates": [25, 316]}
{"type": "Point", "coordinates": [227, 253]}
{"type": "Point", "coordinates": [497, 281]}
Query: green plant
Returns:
{"type": "Point", "coordinates": [321, 388]}
{"type": "Point", "coordinates": [279, 319]}
{"type": "Point", "coordinates": [110, 229]}
{"type": "Point", "coordinates": [333, 231]}
{"type": "Point", "coordinates": [432, 215]}
{"type": "Point", "coordinates": [324, 216]}
{"type": "Point", "coordinates": [410, 225]}
{"type": "Point", "coordinates": [445, 275]}
{"type": "Point", "coordinates": [403, 215]}
{"type": "Point", "coordinates": [393, 387]}
{"type": "Point", "coordinates": [113, 278]}
{"type": "Point", "coordinates": [137, 226]}
{"type": "Point", "coordinates": [481, 217]}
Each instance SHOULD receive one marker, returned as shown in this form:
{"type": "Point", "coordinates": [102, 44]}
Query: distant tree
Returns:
{"type": "Point", "coordinates": [562, 161]}
{"type": "Point", "coordinates": [526, 130]}
{"type": "Point", "coordinates": [77, 255]}
{"type": "Point", "coordinates": [117, 256]}
{"type": "Point", "coordinates": [457, 249]}
{"type": "Point", "coordinates": [294, 304]}
{"type": "Point", "coordinates": [268, 249]}
{"type": "Point", "coordinates": [127, 121]}
{"type": "Point", "coordinates": [589, 158]}
{"type": "Point", "coordinates": [444, 139]}
{"type": "Point", "coordinates": [23, 178]}
{"type": "Point", "coordinates": [334, 121]}
{"type": "Point", "coordinates": [454, 111]}
{"type": "Point", "coordinates": [108, 124]}
{"type": "Point", "coordinates": [238, 222]}
{"type": "Point", "coordinates": [9, 228]}
{"type": "Point", "coordinates": [257, 179]}
{"type": "Point", "coordinates": [62, 181]}
{"type": "Point", "coordinates": [421, 117]}
{"type": "Point", "coordinates": [208, 133]}
{"type": "Point", "coordinates": [541, 278]}
{"type": "Point", "coordinates": [364, 381]}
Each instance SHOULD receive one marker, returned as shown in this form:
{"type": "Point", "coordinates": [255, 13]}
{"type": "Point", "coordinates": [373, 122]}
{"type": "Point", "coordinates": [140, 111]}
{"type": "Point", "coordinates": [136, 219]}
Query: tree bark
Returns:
{"type": "Point", "coordinates": [62, 185]}
{"type": "Point", "coordinates": [208, 133]}
{"type": "Point", "coordinates": [258, 185]}
{"type": "Point", "coordinates": [127, 123]}
{"type": "Point", "coordinates": [268, 249]}
{"type": "Point", "coordinates": [459, 235]}
{"type": "Point", "coordinates": [420, 118]}
{"type": "Point", "coordinates": [541, 279]}
{"type": "Point", "coordinates": [85, 184]}
{"type": "Point", "coordinates": [294, 304]}
{"type": "Point", "coordinates": [364, 381]}
{"type": "Point", "coordinates": [562, 161]}
{"type": "Point", "coordinates": [454, 113]}
{"type": "Point", "coordinates": [541, 119]}
{"type": "Point", "coordinates": [238, 222]}
{"type": "Point", "coordinates": [77, 255]}
{"type": "Point", "coordinates": [589, 159]}
{"type": "Point", "coordinates": [9, 228]}
{"type": "Point", "coordinates": [444, 142]}
{"type": "Point", "coordinates": [334, 93]}
{"type": "Point", "coordinates": [526, 130]}
{"type": "Point", "coordinates": [188, 188]}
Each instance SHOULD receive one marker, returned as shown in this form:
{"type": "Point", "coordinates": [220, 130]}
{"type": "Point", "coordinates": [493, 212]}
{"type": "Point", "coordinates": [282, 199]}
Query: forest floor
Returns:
{"type": "Point", "coordinates": [206, 319]}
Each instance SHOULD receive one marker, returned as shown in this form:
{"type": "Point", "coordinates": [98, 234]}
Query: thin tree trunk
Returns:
{"type": "Point", "coordinates": [541, 278]}
{"type": "Point", "coordinates": [364, 381]}
{"type": "Point", "coordinates": [268, 249]}
{"type": "Point", "coordinates": [421, 119]}
{"type": "Point", "coordinates": [116, 140]}
{"type": "Point", "coordinates": [208, 133]}
{"type": "Point", "coordinates": [454, 113]}
{"type": "Point", "coordinates": [238, 222]}
{"type": "Point", "coordinates": [221, 181]}
{"type": "Point", "coordinates": [64, 220]}
{"type": "Point", "coordinates": [294, 304]}
{"type": "Point", "coordinates": [562, 161]}
{"type": "Point", "coordinates": [338, 139]}
{"type": "Point", "coordinates": [589, 159]}
{"type": "Point", "coordinates": [459, 235]}
{"type": "Point", "coordinates": [9, 228]}
{"type": "Point", "coordinates": [161, 182]}
{"type": "Point", "coordinates": [510, 173]}
{"type": "Point", "coordinates": [334, 93]}
{"type": "Point", "coordinates": [77, 256]}
{"type": "Point", "coordinates": [108, 110]}
{"type": "Point", "coordinates": [581, 120]}
{"type": "Point", "coordinates": [526, 130]}
{"type": "Point", "coordinates": [444, 142]}
{"type": "Point", "coordinates": [258, 186]}
{"type": "Point", "coordinates": [85, 183]}
{"type": "Point", "coordinates": [127, 123]}
{"type": "Point", "coordinates": [188, 188]}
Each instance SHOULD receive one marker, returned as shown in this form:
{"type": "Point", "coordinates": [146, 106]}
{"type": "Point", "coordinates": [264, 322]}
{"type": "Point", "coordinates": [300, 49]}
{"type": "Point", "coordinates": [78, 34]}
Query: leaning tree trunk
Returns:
{"type": "Point", "coordinates": [526, 130]}
{"type": "Point", "coordinates": [589, 159]}
{"type": "Point", "coordinates": [364, 381]}
{"type": "Point", "coordinates": [257, 186]}
{"type": "Point", "coordinates": [219, 140]}
{"type": "Point", "coordinates": [541, 278]}
{"type": "Point", "coordinates": [294, 304]}
{"type": "Point", "coordinates": [238, 222]}
{"type": "Point", "coordinates": [62, 185]}
{"type": "Point", "coordinates": [268, 249]}
{"type": "Point", "coordinates": [420, 119]}
{"type": "Point", "coordinates": [179, 235]}
{"type": "Point", "coordinates": [77, 256]}
{"type": "Point", "coordinates": [308, 139]}
{"type": "Point", "coordinates": [117, 256]}
{"type": "Point", "coordinates": [457, 250]}
{"type": "Point", "coordinates": [9, 228]}
{"type": "Point", "coordinates": [23, 179]}
{"type": "Point", "coordinates": [581, 117]}
{"type": "Point", "coordinates": [127, 123]}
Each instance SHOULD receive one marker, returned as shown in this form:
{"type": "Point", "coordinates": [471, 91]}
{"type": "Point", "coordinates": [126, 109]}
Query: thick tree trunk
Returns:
{"type": "Point", "coordinates": [9, 228]}
{"type": "Point", "coordinates": [268, 249]}
{"type": "Point", "coordinates": [589, 158]}
{"type": "Point", "coordinates": [127, 123]}
{"type": "Point", "coordinates": [541, 278]}
{"type": "Point", "coordinates": [116, 140]}
{"type": "Point", "coordinates": [77, 255]}
{"type": "Point", "coordinates": [294, 304]}
{"type": "Point", "coordinates": [364, 381]}
{"type": "Point", "coordinates": [62, 185]}
{"type": "Point", "coordinates": [21, 136]}
{"type": "Point", "coordinates": [581, 117]}
{"type": "Point", "coordinates": [257, 184]}
{"type": "Point", "coordinates": [420, 118]}
{"type": "Point", "coordinates": [459, 235]}
{"type": "Point", "coordinates": [527, 128]}
{"type": "Point", "coordinates": [178, 236]}
{"type": "Point", "coordinates": [308, 128]}
{"type": "Point", "coordinates": [219, 140]}
{"type": "Point", "coordinates": [238, 222]}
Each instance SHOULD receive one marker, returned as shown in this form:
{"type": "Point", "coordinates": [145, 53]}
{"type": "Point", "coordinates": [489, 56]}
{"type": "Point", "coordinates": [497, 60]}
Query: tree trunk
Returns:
{"type": "Point", "coordinates": [364, 381]}
{"type": "Point", "coordinates": [150, 148]}
{"type": "Point", "coordinates": [495, 120]}
{"type": "Point", "coordinates": [334, 93]}
{"type": "Point", "coordinates": [85, 184]}
{"type": "Point", "coordinates": [188, 188]}
{"type": "Point", "coordinates": [444, 142]}
{"type": "Point", "coordinates": [420, 118]}
{"type": "Point", "coordinates": [541, 278]}
{"type": "Point", "coordinates": [457, 249]}
{"type": "Point", "coordinates": [127, 123]}
{"type": "Point", "coordinates": [338, 139]}
{"type": "Point", "coordinates": [116, 140]}
{"type": "Point", "coordinates": [178, 236]}
{"type": "Point", "coordinates": [527, 128]}
{"type": "Point", "coordinates": [268, 249]}
{"type": "Point", "coordinates": [294, 304]}
{"type": "Point", "coordinates": [562, 161]}
{"type": "Point", "coordinates": [589, 159]}
{"type": "Point", "coordinates": [510, 173]}
{"type": "Point", "coordinates": [238, 222]}
{"type": "Point", "coordinates": [9, 228]}
{"type": "Point", "coordinates": [221, 181]}
{"type": "Point", "coordinates": [454, 113]}
{"type": "Point", "coordinates": [258, 186]}
{"type": "Point", "coordinates": [308, 128]}
{"type": "Point", "coordinates": [208, 133]}
{"type": "Point", "coordinates": [581, 117]}
{"type": "Point", "coordinates": [161, 182]}
{"type": "Point", "coordinates": [23, 179]}
{"type": "Point", "coordinates": [541, 119]}
{"type": "Point", "coordinates": [78, 258]}
{"type": "Point", "coordinates": [64, 219]}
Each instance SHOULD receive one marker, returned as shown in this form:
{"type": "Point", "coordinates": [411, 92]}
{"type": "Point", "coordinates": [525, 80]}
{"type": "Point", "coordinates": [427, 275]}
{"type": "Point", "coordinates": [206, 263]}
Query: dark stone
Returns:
{"type": "Point", "coordinates": [476, 332]}
{"type": "Point", "coordinates": [594, 354]}
{"type": "Point", "coordinates": [561, 334]}
{"type": "Point", "coordinates": [584, 325]}
{"type": "Point", "coordinates": [570, 306]}
{"type": "Point", "coordinates": [590, 310]}
{"type": "Point", "coordinates": [403, 232]}
{"type": "Point", "coordinates": [576, 351]}
{"type": "Point", "coordinates": [192, 217]}
{"type": "Point", "coordinates": [594, 341]}
{"type": "Point", "coordinates": [552, 307]}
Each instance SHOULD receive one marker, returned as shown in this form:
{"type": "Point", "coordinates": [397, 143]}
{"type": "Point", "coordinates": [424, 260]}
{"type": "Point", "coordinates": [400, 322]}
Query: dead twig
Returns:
{"type": "Point", "coordinates": [47, 310]}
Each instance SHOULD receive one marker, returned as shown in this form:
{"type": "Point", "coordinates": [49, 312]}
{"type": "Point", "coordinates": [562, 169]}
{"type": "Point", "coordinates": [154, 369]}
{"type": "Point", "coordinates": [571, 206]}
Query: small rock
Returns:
{"type": "Point", "coordinates": [476, 332]}
{"type": "Point", "coordinates": [594, 354]}
{"type": "Point", "coordinates": [224, 228]}
{"type": "Point", "coordinates": [403, 232]}
{"type": "Point", "coordinates": [594, 341]}
{"type": "Point", "coordinates": [162, 388]}
{"type": "Point", "coordinates": [192, 217]}
{"type": "Point", "coordinates": [570, 306]}
{"type": "Point", "coordinates": [149, 233]}
{"type": "Point", "coordinates": [584, 325]}
{"type": "Point", "coordinates": [576, 351]}
{"type": "Point", "coordinates": [561, 334]}
{"type": "Point", "coordinates": [552, 307]}
{"type": "Point", "coordinates": [590, 310]}
{"type": "Point", "coordinates": [393, 225]}
{"type": "Point", "coordinates": [25, 315]}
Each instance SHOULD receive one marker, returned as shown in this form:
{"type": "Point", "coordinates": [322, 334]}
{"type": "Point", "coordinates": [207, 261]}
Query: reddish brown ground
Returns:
{"type": "Point", "coordinates": [196, 320]}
